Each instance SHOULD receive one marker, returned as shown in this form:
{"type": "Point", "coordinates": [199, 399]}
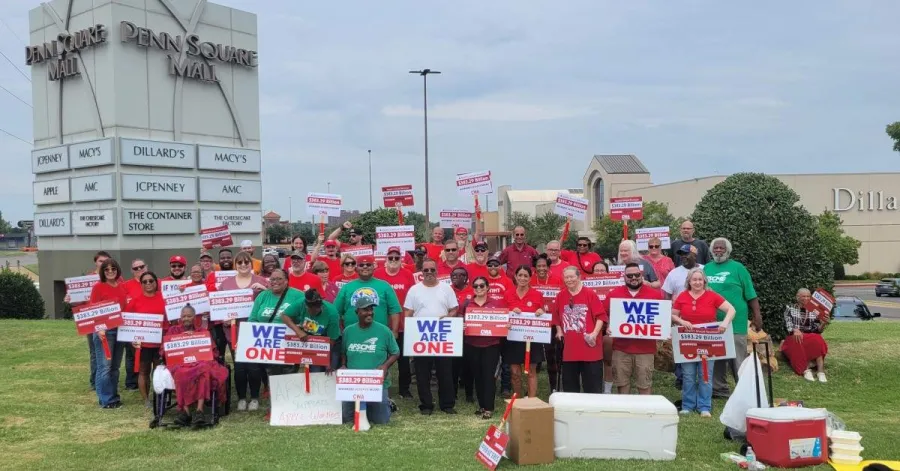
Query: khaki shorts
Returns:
{"type": "Point", "coordinates": [628, 365]}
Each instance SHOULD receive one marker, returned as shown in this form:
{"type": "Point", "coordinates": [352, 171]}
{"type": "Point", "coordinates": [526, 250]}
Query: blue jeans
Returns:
{"type": "Point", "coordinates": [107, 379]}
{"type": "Point", "coordinates": [696, 395]}
{"type": "Point", "coordinates": [93, 354]}
{"type": "Point", "coordinates": [378, 413]}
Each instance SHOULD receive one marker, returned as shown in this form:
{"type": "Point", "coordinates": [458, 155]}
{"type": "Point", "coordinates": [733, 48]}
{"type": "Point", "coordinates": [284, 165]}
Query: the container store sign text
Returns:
{"type": "Point", "coordinates": [197, 62]}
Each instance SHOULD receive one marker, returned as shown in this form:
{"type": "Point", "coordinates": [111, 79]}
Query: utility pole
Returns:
{"type": "Point", "coordinates": [424, 73]}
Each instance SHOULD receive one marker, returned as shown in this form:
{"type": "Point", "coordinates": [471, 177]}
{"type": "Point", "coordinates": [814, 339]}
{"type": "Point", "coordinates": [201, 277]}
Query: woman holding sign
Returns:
{"type": "Point", "coordinates": [149, 301]}
{"type": "Point", "coordinates": [698, 305]}
{"type": "Point", "coordinates": [524, 299]}
{"type": "Point", "coordinates": [109, 288]}
{"type": "Point", "coordinates": [805, 345]}
{"type": "Point", "coordinates": [194, 382]}
{"type": "Point", "coordinates": [482, 353]}
{"type": "Point", "coordinates": [579, 318]}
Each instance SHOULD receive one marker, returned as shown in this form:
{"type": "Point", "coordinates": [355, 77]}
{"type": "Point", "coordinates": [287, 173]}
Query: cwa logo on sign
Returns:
{"type": "Point", "coordinates": [367, 346]}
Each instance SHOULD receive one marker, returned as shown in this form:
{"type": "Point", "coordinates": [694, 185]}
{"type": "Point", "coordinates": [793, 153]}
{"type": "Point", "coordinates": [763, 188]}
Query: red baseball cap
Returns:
{"type": "Point", "coordinates": [461, 230]}
{"type": "Point", "coordinates": [330, 243]}
{"type": "Point", "coordinates": [365, 259]}
{"type": "Point", "coordinates": [394, 249]}
{"type": "Point", "coordinates": [178, 259]}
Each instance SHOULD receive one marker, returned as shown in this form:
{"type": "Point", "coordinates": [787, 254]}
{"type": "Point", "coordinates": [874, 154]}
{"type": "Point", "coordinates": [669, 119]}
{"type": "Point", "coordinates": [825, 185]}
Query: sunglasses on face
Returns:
{"type": "Point", "coordinates": [393, 259]}
{"type": "Point", "coordinates": [493, 265]}
{"type": "Point", "coordinates": [519, 235]}
{"type": "Point", "coordinates": [366, 265]}
{"type": "Point", "coordinates": [654, 246]}
{"type": "Point", "coordinates": [481, 249]}
{"type": "Point", "coordinates": [429, 270]}
{"type": "Point", "coordinates": [139, 267]}
{"type": "Point", "coordinates": [150, 281]}
{"type": "Point", "coordinates": [632, 275]}
{"type": "Point", "coordinates": [479, 286]}
{"type": "Point", "coordinates": [450, 250]}
{"type": "Point", "coordinates": [349, 264]}
{"type": "Point", "coordinates": [242, 262]}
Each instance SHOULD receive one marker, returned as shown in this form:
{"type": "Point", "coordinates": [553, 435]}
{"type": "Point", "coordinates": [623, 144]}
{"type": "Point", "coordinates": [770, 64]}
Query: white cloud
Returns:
{"type": "Point", "coordinates": [487, 110]}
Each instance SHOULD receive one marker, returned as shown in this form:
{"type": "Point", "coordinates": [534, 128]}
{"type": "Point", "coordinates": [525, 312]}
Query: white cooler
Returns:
{"type": "Point", "coordinates": [614, 426]}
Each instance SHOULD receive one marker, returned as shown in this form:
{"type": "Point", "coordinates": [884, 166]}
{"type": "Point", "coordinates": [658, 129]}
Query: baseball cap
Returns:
{"type": "Point", "coordinates": [480, 243]}
{"type": "Point", "coordinates": [365, 259]}
{"type": "Point", "coordinates": [205, 255]}
{"type": "Point", "coordinates": [330, 243]}
{"type": "Point", "coordinates": [394, 249]}
{"type": "Point", "coordinates": [365, 301]}
{"type": "Point", "coordinates": [246, 243]}
{"type": "Point", "coordinates": [313, 298]}
{"type": "Point", "coordinates": [494, 259]}
{"type": "Point", "coordinates": [178, 259]}
{"type": "Point", "coordinates": [355, 231]}
{"type": "Point", "coordinates": [420, 251]}
{"type": "Point", "coordinates": [298, 254]}
{"type": "Point", "coordinates": [684, 249]}
{"type": "Point", "coordinates": [461, 230]}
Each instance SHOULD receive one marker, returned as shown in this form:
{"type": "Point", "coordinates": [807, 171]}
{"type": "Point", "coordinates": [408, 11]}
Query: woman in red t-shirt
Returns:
{"type": "Point", "coordinates": [111, 287]}
{"type": "Point", "coordinates": [698, 305]}
{"type": "Point", "coordinates": [579, 317]}
{"type": "Point", "coordinates": [347, 273]}
{"type": "Point", "coordinates": [523, 299]}
{"type": "Point", "coordinates": [149, 302]}
{"type": "Point", "coordinates": [482, 353]}
{"type": "Point", "coordinates": [550, 284]}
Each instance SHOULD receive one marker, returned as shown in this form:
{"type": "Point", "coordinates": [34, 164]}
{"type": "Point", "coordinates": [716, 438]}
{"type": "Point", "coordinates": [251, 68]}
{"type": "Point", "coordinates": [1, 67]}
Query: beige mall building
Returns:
{"type": "Point", "coordinates": [867, 202]}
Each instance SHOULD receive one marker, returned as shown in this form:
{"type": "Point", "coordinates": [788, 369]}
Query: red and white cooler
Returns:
{"type": "Point", "coordinates": [788, 437]}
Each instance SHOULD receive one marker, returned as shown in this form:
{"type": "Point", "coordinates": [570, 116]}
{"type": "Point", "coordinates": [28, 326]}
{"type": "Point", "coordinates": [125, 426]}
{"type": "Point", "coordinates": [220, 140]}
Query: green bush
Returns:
{"type": "Point", "coordinates": [772, 235]}
{"type": "Point", "coordinates": [21, 299]}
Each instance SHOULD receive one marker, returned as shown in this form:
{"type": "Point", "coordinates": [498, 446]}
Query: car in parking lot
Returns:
{"type": "Point", "coordinates": [888, 287]}
{"type": "Point", "coordinates": [851, 308]}
{"type": "Point", "coordinates": [270, 251]}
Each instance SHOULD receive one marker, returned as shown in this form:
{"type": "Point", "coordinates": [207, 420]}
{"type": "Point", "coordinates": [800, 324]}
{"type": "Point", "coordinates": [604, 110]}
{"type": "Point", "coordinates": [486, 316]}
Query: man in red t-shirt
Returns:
{"type": "Point", "coordinates": [301, 279]}
{"type": "Point", "coordinates": [557, 264]}
{"type": "Point", "coordinates": [518, 254]}
{"type": "Point", "coordinates": [356, 235]}
{"type": "Point", "coordinates": [433, 250]}
{"type": "Point", "coordinates": [579, 317]}
{"type": "Point", "coordinates": [451, 256]}
{"type": "Point", "coordinates": [177, 264]}
{"type": "Point", "coordinates": [401, 280]}
{"type": "Point", "coordinates": [133, 286]}
{"type": "Point", "coordinates": [478, 266]}
{"type": "Point", "coordinates": [331, 258]}
{"type": "Point", "coordinates": [582, 257]}
{"type": "Point", "coordinates": [633, 358]}
{"type": "Point", "coordinates": [498, 283]}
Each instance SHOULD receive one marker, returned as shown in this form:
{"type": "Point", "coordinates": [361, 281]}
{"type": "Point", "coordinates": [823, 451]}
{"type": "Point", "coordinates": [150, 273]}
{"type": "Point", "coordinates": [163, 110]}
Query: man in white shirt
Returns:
{"type": "Point", "coordinates": [677, 278]}
{"type": "Point", "coordinates": [676, 282]}
{"type": "Point", "coordinates": [431, 298]}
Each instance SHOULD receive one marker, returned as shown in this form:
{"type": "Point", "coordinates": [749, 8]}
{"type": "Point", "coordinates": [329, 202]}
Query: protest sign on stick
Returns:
{"type": "Point", "coordinates": [215, 237]}
{"type": "Point", "coordinates": [433, 337]}
{"type": "Point", "coordinates": [475, 183]}
{"type": "Point", "coordinates": [79, 288]}
{"type": "Point", "coordinates": [259, 342]}
{"type": "Point", "coordinates": [649, 319]}
{"type": "Point", "coordinates": [176, 300]}
{"type": "Point", "coordinates": [486, 322]}
{"type": "Point", "coordinates": [297, 401]}
{"type": "Point", "coordinates": [187, 348]}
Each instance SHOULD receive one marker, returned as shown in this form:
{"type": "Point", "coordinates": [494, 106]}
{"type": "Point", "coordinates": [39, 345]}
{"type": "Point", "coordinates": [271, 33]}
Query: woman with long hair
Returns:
{"type": "Point", "coordinates": [348, 271]}
{"type": "Point", "coordinates": [662, 264]}
{"type": "Point", "coordinates": [297, 244]}
{"type": "Point", "coordinates": [329, 288]}
{"type": "Point", "coordinates": [109, 288]}
{"type": "Point", "coordinates": [150, 302]}
{"type": "Point", "coordinates": [628, 253]}
{"type": "Point", "coordinates": [482, 354]}
{"type": "Point", "coordinates": [523, 299]}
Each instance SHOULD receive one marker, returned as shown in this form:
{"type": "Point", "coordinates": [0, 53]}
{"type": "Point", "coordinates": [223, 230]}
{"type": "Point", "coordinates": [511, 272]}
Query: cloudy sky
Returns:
{"type": "Point", "coordinates": [531, 90]}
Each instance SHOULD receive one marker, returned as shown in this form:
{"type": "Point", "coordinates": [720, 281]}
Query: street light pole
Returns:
{"type": "Point", "coordinates": [291, 215]}
{"type": "Point", "coordinates": [424, 73]}
{"type": "Point", "coordinates": [329, 187]}
{"type": "Point", "coordinates": [370, 179]}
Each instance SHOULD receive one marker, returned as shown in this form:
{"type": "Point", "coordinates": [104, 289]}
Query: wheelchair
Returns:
{"type": "Point", "coordinates": [165, 401]}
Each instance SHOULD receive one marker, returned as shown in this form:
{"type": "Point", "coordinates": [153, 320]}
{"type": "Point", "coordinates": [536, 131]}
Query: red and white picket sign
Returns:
{"type": "Point", "coordinates": [231, 304]}
{"type": "Point", "coordinates": [313, 350]}
{"type": "Point", "coordinates": [475, 183]}
{"type": "Point", "coordinates": [821, 302]}
{"type": "Point", "coordinates": [139, 327]}
{"type": "Point", "coordinates": [486, 322]}
{"type": "Point", "coordinates": [527, 327]}
{"type": "Point", "coordinates": [394, 236]}
{"type": "Point", "coordinates": [569, 206]}
{"type": "Point", "coordinates": [215, 237]}
{"type": "Point", "coordinates": [175, 300]}
{"type": "Point", "coordinates": [359, 385]}
{"type": "Point", "coordinates": [603, 284]}
{"type": "Point", "coordinates": [79, 288]}
{"type": "Point", "coordinates": [453, 218]}
{"type": "Point", "coordinates": [494, 443]}
{"type": "Point", "coordinates": [323, 204]}
{"type": "Point", "coordinates": [91, 318]}
{"type": "Point", "coordinates": [549, 293]}
{"type": "Point", "coordinates": [643, 236]}
{"type": "Point", "coordinates": [630, 208]}
{"type": "Point", "coordinates": [397, 196]}
{"type": "Point", "coordinates": [358, 251]}
{"type": "Point", "coordinates": [188, 348]}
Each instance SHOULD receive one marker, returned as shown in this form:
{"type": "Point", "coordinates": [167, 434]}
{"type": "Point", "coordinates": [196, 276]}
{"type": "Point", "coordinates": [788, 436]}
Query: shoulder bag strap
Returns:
{"type": "Point", "coordinates": [277, 305]}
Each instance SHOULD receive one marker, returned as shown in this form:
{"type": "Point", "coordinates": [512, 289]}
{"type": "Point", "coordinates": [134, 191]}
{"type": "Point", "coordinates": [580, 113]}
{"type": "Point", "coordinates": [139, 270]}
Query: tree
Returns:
{"type": "Point", "coordinates": [893, 130]}
{"type": "Point", "coordinates": [367, 222]}
{"type": "Point", "coordinates": [417, 220]}
{"type": "Point", "coordinates": [542, 229]}
{"type": "Point", "coordinates": [609, 233]}
{"type": "Point", "coordinates": [772, 235]}
{"type": "Point", "coordinates": [5, 226]}
{"type": "Point", "coordinates": [276, 233]}
{"type": "Point", "coordinates": [21, 299]}
{"type": "Point", "coordinates": [840, 249]}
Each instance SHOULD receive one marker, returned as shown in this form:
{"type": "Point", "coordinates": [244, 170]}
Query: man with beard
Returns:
{"type": "Point", "coordinates": [633, 358]}
{"type": "Point", "coordinates": [687, 239]}
{"type": "Point", "coordinates": [387, 307]}
{"type": "Point", "coordinates": [477, 266]}
{"type": "Point", "coordinates": [675, 283]}
{"type": "Point", "coordinates": [177, 263]}
{"type": "Point", "coordinates": [732, 281]}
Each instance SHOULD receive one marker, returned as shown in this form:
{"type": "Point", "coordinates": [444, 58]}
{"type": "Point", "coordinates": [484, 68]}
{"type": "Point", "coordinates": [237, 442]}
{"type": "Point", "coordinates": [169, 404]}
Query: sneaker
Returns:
{"type": "Point", "coordinates": [705, 414]}
{"type": "Point", "coordinates": [685, 412]}
{"type": "Point", "coordinates": [254, 405]}
{"type": "Point", "coordinates": [242, 405]}
{"type": "Point", "coordinates": [450, 411]}
{"type": "Point", "coordinates": [506, 394]}
{"type": "Point", "coordinates": [199, 421]}
{"type": "Point", "coordinates": [807, 375]}
{"type": "Point", "coordinates": [114, 405]}
{"type": "Point", "coordinates": [486, 415]}
{"type": "Point", "coordinates": [394, 407]}
{"type": "Point", "coordinates": [822, 378]}
{"type": "Point", "coordinates": [479, 411]}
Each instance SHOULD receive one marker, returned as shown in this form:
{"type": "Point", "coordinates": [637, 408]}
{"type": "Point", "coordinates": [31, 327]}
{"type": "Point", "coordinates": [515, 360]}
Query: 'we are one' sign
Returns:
{"type": "Point", "coordinates": [649, 319]}
{"type": "Point", "coordinates": [433, 337]}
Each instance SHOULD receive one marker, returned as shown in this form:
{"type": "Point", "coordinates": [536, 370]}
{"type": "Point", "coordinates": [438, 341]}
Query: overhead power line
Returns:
{"type": "Point", "coordinates": [16, 67]}
{"type": "Point", "coordinates": [15, 96]}
{"type": "Point", "coordinates": [4, 131]}
{"type": "Point", "coordinates": [12, 31]}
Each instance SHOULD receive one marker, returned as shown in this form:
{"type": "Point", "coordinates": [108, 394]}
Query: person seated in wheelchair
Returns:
{"type": "Point", "coordinates": [195, 382]}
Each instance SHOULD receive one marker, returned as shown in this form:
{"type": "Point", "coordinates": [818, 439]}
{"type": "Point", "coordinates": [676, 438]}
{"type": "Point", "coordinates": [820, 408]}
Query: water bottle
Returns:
{"type": "Point", "coordinates": [751, 456]}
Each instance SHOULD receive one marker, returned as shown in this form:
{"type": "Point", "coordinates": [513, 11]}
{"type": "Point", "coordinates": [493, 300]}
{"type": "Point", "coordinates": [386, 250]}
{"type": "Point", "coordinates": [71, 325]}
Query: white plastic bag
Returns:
{"type": "Point", "coordinates": [162, 379]}
{"type": "Point", "coordinates": [743, 398]}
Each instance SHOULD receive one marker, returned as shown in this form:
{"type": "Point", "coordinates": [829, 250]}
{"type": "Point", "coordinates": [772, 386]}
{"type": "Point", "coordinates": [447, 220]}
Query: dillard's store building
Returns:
{"type": "Point", "coordinates": [866, 202]}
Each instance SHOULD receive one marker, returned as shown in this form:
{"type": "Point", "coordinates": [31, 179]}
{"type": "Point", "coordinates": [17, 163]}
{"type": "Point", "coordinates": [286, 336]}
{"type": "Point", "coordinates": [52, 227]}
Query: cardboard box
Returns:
{"type": "Point", "coordinates": [531, 432]}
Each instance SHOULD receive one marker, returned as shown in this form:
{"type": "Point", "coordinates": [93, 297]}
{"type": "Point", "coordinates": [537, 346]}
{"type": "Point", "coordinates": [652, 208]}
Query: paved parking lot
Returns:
{"type": "Point", "coordinates": [888, 307]}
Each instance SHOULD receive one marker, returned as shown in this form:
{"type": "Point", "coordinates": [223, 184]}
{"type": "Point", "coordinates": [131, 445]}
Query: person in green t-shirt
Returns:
{"type": "Point", "coordinates": [369, 345]}
{"type": "Point", "coordinates": [291, 300]}
{"type": "Point", "coordinates": [732, 281]}
{"type": "Point", "coordinates": [387, 306]}
{"type": "Point", "coordinates": [316, 317]}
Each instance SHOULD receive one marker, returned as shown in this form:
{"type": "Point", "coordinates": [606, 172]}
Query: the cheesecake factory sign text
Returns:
{"type": "Point", "coordinates": [59, 54]}
{"type": "Point", "coordinates": [191, 65]}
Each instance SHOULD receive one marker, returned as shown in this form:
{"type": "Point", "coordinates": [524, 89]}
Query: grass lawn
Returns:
{"type": "Point", "coordinates": [10, 253]}
{"type": "Point", "coordinates": [49, 418]}
{"type": "Point", "coordinates": [33, 268]}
